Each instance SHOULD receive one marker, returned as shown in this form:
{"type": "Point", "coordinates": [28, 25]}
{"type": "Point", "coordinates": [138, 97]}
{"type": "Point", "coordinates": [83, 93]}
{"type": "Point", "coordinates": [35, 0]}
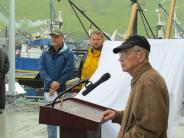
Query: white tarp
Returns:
{"type": "Point", "coordinates": [167, 56]}
{"type": "Point", "coordinates": [18, 88]}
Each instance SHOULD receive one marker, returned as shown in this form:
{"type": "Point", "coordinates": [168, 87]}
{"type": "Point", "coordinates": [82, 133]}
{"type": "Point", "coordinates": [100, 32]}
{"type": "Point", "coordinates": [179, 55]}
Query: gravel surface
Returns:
{"type": "Point", "coordinates": [25, 105]}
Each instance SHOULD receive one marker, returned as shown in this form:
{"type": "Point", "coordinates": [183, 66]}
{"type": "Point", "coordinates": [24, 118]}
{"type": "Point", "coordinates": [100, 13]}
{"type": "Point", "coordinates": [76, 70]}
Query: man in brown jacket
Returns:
{"type": "Point", "coordinates": [146, 113]}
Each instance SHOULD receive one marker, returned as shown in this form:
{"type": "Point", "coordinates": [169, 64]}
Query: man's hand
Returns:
{"type": "Point", "coordinates": [108, 115]}
{"type": "Point", "coordinates": [51, 92]}
{"type": "Point", "coordinates": [55, 85]}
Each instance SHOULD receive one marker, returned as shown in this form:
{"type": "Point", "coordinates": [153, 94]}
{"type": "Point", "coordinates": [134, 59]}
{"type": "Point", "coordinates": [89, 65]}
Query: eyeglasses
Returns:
{"type": "Point", "coordinates": [126, 53]}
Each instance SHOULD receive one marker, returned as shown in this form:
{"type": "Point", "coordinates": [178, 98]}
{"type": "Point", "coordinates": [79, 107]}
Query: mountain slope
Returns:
{"type": "Point", "coordinates": [107, 14]}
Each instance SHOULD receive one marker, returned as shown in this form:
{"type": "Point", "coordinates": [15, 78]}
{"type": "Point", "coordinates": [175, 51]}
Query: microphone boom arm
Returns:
{"type": "Point", "coordinates": [69, 89]}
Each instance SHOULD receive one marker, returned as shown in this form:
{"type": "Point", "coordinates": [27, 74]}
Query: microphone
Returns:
{"type": "Point", "coordinates": [72, 82]}
{"type": "Point", "coordinates": [90, 87]}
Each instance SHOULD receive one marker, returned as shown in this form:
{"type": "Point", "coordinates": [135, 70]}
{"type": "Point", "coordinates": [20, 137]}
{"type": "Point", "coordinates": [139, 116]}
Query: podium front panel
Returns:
{"type": "Point", "coordinates": [72, 114]}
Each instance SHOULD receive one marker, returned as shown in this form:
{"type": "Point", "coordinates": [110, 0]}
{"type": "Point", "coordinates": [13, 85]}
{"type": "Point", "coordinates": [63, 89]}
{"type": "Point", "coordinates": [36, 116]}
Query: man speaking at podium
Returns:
{"type": "Point", "coordinates": [146, 113]}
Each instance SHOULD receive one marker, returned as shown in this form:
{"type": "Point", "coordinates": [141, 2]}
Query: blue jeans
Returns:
{"type": "Point", "coordinates": [52, 131]}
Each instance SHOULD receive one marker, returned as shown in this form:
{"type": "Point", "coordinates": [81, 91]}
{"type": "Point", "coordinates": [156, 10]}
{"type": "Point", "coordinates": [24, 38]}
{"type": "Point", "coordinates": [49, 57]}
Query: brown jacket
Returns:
{"type": "Point", "coordinates": [146, 114]}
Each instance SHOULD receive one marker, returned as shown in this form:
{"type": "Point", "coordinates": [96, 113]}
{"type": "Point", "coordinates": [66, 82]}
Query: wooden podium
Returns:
{"type": "Point", "coordinates": [76, 118]}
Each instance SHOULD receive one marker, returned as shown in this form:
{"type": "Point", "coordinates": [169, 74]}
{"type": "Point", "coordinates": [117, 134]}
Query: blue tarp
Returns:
{"type": "Point", "coordinates": [23, 63]}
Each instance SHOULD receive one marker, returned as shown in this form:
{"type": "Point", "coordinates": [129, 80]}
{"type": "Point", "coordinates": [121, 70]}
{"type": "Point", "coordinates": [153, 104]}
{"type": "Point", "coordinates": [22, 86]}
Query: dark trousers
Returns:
{"type": "Point", "coordinates": [2, 92]}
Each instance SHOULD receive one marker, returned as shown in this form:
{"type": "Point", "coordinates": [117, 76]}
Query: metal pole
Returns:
{"type": "Point", "coordinates": [11, 77]}
{"type": "Point", "coordinates": [51, 15]}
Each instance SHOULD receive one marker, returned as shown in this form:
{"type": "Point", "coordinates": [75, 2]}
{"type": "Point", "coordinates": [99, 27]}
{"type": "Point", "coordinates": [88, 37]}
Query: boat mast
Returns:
{"type": "Point", "coordinates": [135, 20]}
{"type": "Point", "coordinates": [55, 21]}
{"type": "Point", "coordinates": [160, 24]}
{"type": "Point", "coordinates": [132, 26]}
{"type": "Point", "coordinates": [177, 33]}
{"type": "Point", "coordinates": [170, 20]}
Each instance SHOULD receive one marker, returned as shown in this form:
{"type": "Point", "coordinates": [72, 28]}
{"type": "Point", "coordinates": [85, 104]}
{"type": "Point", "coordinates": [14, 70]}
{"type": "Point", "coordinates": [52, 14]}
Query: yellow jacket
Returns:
{"type": "Point", "coordinates": [90, 64]}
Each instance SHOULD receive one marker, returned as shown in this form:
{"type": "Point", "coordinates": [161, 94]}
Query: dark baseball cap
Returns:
{"type": "Point", "coordinates": [56, 32]}
{"type": "Point", "coordinates": [137, 40]}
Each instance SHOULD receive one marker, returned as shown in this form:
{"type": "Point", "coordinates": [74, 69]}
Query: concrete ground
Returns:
{"type": "Point", "coordinates": [179, 133]}
{"type": "Point", "coordinates": [21, 125]}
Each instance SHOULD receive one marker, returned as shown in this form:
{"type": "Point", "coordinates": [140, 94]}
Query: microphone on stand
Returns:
{"type": "Point", "coordinates": [92, 86]}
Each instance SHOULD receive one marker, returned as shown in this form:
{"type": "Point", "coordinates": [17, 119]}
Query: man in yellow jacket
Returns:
{"type": "Point", "coordinates": [89, 64]}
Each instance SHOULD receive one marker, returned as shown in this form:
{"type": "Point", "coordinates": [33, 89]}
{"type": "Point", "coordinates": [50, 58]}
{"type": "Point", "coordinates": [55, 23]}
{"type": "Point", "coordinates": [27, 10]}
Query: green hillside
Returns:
{"type": "Point", "coordinates": [110, 15]}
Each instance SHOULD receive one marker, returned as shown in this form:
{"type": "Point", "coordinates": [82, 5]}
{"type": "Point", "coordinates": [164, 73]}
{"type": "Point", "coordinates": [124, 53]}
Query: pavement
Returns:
{"type": "Point", "coordinates": [21, 125]}
{"type": "Point", "coordinates": [179, 132]}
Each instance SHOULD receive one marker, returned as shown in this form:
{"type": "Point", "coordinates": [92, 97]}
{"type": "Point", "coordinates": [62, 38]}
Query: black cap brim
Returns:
{"type": "Point", "coordinates": [51, 34]}
{"type": "Point", "coordinates": [121, 47]}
